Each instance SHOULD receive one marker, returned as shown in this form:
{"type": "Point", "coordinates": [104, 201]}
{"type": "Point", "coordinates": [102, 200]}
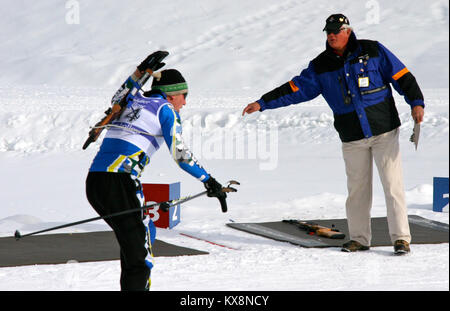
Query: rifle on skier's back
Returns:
{"type": "Point", "coordinates": [128, 90]}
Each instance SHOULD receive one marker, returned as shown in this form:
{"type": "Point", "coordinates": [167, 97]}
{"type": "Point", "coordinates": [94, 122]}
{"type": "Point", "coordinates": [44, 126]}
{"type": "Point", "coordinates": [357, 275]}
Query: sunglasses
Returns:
{"type": "Point", "coordinates": [335, 31]}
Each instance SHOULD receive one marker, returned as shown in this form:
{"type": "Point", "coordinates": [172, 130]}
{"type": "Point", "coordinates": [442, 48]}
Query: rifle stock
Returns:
{"type": "Point", "coordinates": [330, 233]}
{"type": "Point", "coordinates": [116, 110]}
{"type": "Point", "coordinates": [111, 114]}
{"type": "Point", "coordinates": [315, 228]}
{"type": "Point", "coordinates": [129, 88]}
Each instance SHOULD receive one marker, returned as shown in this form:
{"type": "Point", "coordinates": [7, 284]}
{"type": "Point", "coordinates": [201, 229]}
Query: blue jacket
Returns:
{"type": "Point", "coordinates": [356, 86]}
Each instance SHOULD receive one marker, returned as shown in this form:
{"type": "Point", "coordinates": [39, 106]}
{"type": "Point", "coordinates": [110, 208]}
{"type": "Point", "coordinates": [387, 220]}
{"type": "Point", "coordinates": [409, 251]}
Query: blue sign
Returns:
{"type": "Point", "coordinates": [174, 211]}
{"type": "Point", "coordinates": [440, 194]}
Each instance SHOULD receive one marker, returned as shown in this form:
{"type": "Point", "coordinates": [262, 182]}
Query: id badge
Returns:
{"type": "Point", "coordinates": [363, 82]}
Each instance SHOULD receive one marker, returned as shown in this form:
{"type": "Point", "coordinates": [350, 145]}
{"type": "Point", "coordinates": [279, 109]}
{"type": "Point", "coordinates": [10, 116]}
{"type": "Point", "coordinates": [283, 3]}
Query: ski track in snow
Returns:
{"type": "Point", "coordinates": [32, 119]}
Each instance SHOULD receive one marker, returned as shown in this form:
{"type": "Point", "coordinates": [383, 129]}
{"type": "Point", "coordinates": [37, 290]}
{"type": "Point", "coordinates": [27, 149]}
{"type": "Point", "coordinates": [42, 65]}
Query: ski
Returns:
{"type": "Point", "coordinates": [313, 228]}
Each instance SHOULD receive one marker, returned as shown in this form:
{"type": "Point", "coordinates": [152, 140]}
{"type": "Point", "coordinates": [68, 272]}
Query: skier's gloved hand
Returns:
{"type": "Point", "coordinates": [164, 206]}
{"type": "Point", "coordinates": [158, 66]}
{"type": "Point", "coordinates": [153, 61]}
{"type": "Point", "coordinates": [214, 189]}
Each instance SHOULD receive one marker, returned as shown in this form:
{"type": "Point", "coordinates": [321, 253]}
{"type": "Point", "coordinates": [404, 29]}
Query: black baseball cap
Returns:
{"type": "Point", "coordinates": [335, 22]}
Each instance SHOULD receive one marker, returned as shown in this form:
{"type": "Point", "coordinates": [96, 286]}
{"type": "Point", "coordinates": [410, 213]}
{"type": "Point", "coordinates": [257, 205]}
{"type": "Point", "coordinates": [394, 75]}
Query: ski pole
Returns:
{"type": "Point", "coordinates": [167, 205]}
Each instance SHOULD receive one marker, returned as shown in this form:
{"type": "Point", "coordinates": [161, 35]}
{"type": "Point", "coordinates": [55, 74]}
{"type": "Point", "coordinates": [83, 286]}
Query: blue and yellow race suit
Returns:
{"type": "Point", "coordinates": [146, 123]}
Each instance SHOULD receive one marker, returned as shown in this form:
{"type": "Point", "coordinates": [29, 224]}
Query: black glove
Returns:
{"type": "Point", "coordinates": [214, 189]}
{"type": "Point", "coordinates": [164, 206]}
{"type": "Point", "coordinates": [153, 61]}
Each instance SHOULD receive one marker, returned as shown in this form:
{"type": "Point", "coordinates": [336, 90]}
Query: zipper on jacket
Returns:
{"type": "Point", "coordinates": [374, 90]}
{"type": "Point", "coordinates": [347, 99]}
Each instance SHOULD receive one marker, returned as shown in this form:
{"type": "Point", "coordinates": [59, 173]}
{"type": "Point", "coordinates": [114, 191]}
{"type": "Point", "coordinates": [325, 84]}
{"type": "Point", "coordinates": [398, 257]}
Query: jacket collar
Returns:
{"type": "Point", "coordinates": [352, 46]}
{"type": "Point", "coordinates": [155, 93]}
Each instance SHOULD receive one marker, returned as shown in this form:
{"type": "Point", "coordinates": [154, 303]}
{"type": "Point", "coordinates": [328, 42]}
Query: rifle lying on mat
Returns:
{"type": "Point", "coordinates": [312, 228]}
{"type": "Point", "coordinates": [128, 90]}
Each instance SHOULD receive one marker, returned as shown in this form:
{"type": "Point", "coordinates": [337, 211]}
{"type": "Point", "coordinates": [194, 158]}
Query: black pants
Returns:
{"type": "Point", "coordinates": [114, 192]}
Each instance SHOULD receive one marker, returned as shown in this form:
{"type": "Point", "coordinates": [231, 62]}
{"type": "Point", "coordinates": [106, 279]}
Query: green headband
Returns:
{"type": "Point", "coordinates": [172, 89]}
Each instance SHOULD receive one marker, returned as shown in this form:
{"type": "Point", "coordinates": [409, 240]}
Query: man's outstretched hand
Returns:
{"type": "Point", "coordinates": [251, 108]}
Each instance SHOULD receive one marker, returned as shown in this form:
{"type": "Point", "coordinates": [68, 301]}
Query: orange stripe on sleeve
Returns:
{"type": "Point", "coordinates": [293, 86]}
{"type": "Point", "coordinates": [400, 74]}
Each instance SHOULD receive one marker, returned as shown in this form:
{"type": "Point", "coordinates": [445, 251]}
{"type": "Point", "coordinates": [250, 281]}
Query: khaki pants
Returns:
{"type": "Point", "coordinates": [358, 157]}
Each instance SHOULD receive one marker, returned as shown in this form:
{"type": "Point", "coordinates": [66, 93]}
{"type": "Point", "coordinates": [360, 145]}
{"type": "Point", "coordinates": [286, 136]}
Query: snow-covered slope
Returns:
{"type": "Point", "coordinates": [58, 78]}
{"type": "Point", "coordinates": [234, 45]}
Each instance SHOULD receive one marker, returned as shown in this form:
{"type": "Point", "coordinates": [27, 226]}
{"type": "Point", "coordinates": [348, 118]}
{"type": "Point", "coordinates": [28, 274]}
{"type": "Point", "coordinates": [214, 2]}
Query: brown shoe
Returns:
{"type": "Point", "coordinates": [353, 246]}
{"type": "Point", "coordinates": [401, 247]}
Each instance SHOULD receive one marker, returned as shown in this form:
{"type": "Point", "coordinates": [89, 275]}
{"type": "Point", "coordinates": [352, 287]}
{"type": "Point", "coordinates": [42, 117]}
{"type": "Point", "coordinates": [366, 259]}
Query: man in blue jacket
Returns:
{"type": "Point", "coordinates": [355, 78]}
{"type": "Point", "coordinates": [149, 121]}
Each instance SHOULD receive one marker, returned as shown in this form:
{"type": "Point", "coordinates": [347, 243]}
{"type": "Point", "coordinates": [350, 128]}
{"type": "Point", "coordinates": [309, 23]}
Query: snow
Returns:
{"type": "Point", "coordinates": [58, 78]}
